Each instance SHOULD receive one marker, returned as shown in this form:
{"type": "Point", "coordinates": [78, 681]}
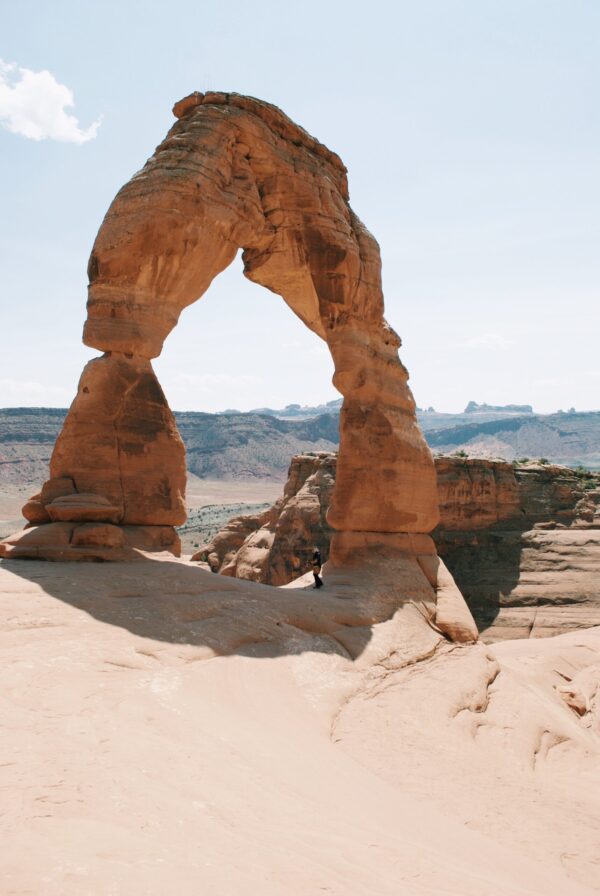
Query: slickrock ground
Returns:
{"type": "Point", "coordinates": [166, 730]}
{"type": "Point", "coordinates": [522, 542]}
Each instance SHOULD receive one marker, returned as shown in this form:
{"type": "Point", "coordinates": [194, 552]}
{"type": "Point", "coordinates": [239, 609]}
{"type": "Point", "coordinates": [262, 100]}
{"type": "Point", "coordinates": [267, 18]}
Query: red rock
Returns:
{"type": "Point", "coordinates": [35, 512]}
{"type": "Point", "coordinates": [48, 542]}
{"type": "Point", "coordinates": [236, 173]}
{"type": "Point", "coordinates": [133, 455]}
{"type": "Point", "coordinates": [153, 538]}
{"type": "Point", "coordinates": [98, 534]}
{"type": "Point", "coordinates": [83, 508]}
{"type": "Point", "coordinates": [187, 104]}
{"type": "Point", "coordinates": [286, 206]}
{"type": "Point", "coordinates": [522, 543]}
{"type": "Point", "coordinates": [67, 541]}
{"type": "Point", "coordinates": [57, 488]}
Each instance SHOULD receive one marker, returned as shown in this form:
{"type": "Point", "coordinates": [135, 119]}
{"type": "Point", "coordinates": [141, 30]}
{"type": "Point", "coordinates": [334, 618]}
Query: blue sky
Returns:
{"type": "Point", "coordinates": [471, 135]}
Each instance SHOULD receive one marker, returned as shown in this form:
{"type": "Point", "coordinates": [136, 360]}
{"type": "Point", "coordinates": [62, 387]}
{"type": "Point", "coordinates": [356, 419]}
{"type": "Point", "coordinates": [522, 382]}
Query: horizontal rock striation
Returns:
{"type": "Point", "coordinates": [523, 543]}
{"type": "Point", "coordinates": [235, 173]}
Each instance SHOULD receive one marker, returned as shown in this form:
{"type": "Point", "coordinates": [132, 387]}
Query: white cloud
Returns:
{"type": "Point", "coordinates": [488, 340]}
{"type": "Point", "coordinates": [33, 104]}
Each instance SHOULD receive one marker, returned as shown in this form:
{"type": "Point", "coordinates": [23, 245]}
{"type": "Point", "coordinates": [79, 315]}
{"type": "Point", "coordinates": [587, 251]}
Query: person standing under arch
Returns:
{"type": "Point", "coordinates": [316, 567]}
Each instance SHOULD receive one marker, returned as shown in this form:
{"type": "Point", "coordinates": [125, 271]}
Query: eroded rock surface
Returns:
{"type": "Point", "coordinates": [522, 542]}
{"type": "Point", "coordinates": [235, 173]}
{"type": "Point", "coordinates": [276, 546]}
{"type": "Point", "coordinates": [167, 730]}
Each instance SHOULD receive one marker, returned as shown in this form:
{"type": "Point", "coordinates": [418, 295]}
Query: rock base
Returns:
{"type": "Point", "coordinates": [89, 541]}
{"type": "Point", "coordinates": [386, 559]}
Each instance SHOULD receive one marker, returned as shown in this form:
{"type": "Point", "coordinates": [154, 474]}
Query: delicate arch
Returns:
{"type": "Point", "coordinates": [234, 173]}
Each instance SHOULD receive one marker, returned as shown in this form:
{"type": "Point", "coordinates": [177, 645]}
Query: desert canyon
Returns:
{"type": "Point", "coordinates": [428, 724]}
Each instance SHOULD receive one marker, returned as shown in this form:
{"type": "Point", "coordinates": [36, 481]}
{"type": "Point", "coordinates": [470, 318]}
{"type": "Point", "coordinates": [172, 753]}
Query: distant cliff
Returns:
{"type": "Point", "coordinates": [218, 446]}
{"type": "Point", "coordinates": [562, 438]}
{"type": "Point", "coordinates": [246, 446]}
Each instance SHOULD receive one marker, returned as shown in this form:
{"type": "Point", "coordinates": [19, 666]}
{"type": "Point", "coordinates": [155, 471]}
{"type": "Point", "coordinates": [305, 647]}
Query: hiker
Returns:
{"type": "Point", "coordinates": [316, 567]}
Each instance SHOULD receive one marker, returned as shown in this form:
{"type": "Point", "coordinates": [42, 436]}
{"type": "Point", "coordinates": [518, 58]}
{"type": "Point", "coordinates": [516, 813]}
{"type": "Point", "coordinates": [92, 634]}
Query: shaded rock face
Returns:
{"type": "Point", "coordinates": [235, 173]}
{"type": "Point", "coordinates": [522, 543]}
{"type": "Point", "coordinates": [120, 441]}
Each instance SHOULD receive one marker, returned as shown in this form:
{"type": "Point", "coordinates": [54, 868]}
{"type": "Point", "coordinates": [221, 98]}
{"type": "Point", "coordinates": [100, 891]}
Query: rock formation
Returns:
{"type": "Point", "coordinates": [275, 547]}
{"type": "Point", "coordinates": [233, 173]}
{"type": "Point", "coordinates": [522, 542]}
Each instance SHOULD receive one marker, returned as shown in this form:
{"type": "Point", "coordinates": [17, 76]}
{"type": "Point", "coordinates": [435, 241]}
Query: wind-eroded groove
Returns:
{"type": "Point", "coordinates": [547, 742]}
{"type": "Point", "coordinates": [482, 706]}
{"type": "Point", "coordinates": [369, 688]}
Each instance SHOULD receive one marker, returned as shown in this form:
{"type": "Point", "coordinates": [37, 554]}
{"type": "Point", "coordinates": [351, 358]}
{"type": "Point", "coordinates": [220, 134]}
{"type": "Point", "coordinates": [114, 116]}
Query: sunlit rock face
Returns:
{"type": "Point", "coordinates": [235, 173]}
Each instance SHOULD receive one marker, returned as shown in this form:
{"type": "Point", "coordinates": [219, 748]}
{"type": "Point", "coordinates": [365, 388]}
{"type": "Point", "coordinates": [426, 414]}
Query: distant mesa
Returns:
{"type": "Point", "coordinates": [259, 446]}
{"type": "Point", "coordinates": [297, 411]}
{"type": "Point", "coordinates": [474, 408]}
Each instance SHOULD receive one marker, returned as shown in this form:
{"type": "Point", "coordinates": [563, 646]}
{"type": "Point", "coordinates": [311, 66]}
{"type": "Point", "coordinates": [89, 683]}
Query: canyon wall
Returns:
{"type": "Point", "coordinates": [522, 541]}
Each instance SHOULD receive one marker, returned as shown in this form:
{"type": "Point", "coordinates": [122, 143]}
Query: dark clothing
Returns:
{"type": "Point", "coordinates": [316, 567]}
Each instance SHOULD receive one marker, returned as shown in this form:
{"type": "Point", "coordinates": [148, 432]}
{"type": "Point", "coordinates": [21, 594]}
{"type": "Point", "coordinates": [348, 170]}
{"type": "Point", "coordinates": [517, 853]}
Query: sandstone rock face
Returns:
{"type": "Point", "coordinates": [120, 442]}
{"type": "Point", "coordinates": [522, 543]}
{"type": "Point", "coordinates": [276, 546]}
{"type": "Point", "coordinates": [235, 173]}
{"type": "Point", "coordinates": [90, 541]}
{"type": "Point", "coordinates": [529, 562]}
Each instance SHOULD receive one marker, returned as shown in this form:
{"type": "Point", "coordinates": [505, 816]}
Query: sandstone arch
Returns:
{"type": "Point", "coordinates": [233, 173]}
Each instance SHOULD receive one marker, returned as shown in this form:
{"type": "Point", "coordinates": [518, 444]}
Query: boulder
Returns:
{"type": "Point", "coordinates": [35, 512]}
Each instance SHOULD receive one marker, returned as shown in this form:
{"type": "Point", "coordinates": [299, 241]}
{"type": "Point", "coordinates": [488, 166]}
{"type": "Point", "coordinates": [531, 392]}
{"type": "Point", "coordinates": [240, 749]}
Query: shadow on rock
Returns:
{"type": "Point", "coordinates": [486, 566]}
{"type": "Point", "coordinates": [175, 602]}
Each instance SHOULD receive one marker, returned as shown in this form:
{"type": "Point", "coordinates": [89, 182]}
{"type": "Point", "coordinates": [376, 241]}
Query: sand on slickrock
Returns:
{"type": "Point", "coordinates": [166, 730]}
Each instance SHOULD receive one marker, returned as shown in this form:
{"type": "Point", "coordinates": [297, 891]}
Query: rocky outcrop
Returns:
{"type": "Point", "coordinates": [521, 541]}
{"type": "Point", "coordinates": [276, 546]}
{"type": "Point", "coordinates": [235, 173]}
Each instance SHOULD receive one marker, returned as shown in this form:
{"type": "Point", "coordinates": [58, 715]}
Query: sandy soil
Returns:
{"type": "Point", "coordinates": [165, 730]}
{"type": "Point", "coordinates": [204, 522]}
{"type": "Point", "coordinates": [12, 498]}
{"type": "Point", "coordinates": [201, 492]}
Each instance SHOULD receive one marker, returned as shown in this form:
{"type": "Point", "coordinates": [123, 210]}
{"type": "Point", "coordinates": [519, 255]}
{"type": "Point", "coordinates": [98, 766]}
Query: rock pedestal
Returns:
{"type": "Point", "coordinates": [233, 173]}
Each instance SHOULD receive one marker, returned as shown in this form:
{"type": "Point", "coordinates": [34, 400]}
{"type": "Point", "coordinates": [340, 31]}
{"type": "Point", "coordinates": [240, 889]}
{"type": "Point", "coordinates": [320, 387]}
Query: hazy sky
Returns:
{"type": "Point", "coordinates": [471, 134]}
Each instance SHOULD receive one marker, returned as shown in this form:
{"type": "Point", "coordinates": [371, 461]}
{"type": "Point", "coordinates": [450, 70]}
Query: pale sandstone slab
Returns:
{"type": "Point", "coordinates": [169, 730]}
